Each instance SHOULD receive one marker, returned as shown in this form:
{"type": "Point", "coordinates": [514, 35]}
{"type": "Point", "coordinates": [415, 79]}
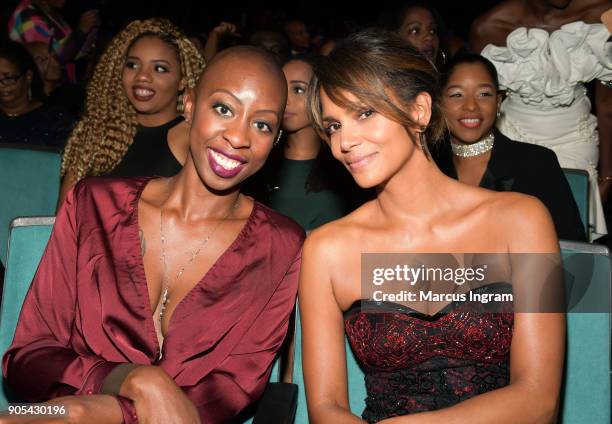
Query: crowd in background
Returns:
{"type": "Point", "coordinates": [271, 99]}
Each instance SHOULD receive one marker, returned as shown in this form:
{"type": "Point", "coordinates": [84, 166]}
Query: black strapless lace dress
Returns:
{"type": "Point", "coordinates": [415, 362]}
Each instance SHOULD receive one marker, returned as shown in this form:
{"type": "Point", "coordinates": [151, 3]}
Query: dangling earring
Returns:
{"type": "Point", "coordinates": [180, 104]}
{"type": "Point", "coordinates": [443, 57]}
{"type": "Point", "coordinates": [498, 113]}
{"type": "Point", "coordinates": [423, 142]}
{"type": "Point", "coordinates": [278, 137]}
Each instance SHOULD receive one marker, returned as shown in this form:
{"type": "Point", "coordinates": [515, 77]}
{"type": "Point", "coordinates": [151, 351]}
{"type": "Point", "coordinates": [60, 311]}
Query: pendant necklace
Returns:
{"type": "Point", "coordinates": [165, 298]}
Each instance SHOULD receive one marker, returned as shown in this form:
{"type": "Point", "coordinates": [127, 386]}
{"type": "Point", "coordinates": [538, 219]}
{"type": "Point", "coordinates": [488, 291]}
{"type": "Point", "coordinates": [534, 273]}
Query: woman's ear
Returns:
{"type": "Point", "coordinates": [182, 85]}
{"type": "Point", "coordinates": [421, 110]}
{"type": "Point", "coordinates": [189, 103]}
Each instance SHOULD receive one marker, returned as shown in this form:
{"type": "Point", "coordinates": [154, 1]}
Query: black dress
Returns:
{"type": "Point", "coordinates": [149, 154]}
{"type": "Point", "coordinates": [47, 125]}
{"type": "Point", "coordinates": [416, 363]}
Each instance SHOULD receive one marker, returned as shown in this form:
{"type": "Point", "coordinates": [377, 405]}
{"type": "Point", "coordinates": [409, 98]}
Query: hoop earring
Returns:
{"type": "Point", "coordinates": [180, 104]}
{"type": "Point", "coordinates": [423, 143]}
{"type": "Point", "coordinates": [278, 137]}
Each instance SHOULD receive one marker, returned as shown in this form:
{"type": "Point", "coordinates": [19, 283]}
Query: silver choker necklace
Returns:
{"type": "Point", "coordinates": [474, 149]}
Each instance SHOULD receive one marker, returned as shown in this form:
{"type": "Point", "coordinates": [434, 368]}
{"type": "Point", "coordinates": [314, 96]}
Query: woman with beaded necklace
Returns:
{"type": "Point", "coordinates": [483, 156]}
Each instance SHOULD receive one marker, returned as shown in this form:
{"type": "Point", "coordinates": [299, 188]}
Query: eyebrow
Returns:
{"type": "Point", "coordinates": [487, 84]}
{"type": "Point", "coordinates": [229, 93]}
{"type": "Point", "coordinates": [298, 81]}
{"type": "Point", "coordinates": [154, 60]}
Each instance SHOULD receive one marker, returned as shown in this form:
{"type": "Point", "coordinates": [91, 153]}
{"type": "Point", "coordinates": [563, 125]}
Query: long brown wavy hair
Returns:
{"type": "Point", "coordinates": [106, 130]}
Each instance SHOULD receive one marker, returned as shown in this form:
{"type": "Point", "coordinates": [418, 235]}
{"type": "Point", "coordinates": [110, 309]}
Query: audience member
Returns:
{"type": "Point", "coordinates": [183, 325]}
{"type": "Point", "coordinates": [41, 21]}
{"type": "Point", "coordinates": [479, 155]}
{"type": "Point", "coordinates": [301, 179]}
{"type": "Point", "coordinates": [478, 366]}
{"type": "Point", "coordinates": [132, 124]}
{"type": "Point", "coordinates": [25, 117]}
{"type": "Point", "coordinates": [67, 96]}
{"type": "Point", "coordinates": [273, 41]}
{"type": "Point", "coordinates": [545, 51]}
{"type": "Point", "coordinates": [299, 38]}
{"type": "Point", "coordinates": [420, 25]}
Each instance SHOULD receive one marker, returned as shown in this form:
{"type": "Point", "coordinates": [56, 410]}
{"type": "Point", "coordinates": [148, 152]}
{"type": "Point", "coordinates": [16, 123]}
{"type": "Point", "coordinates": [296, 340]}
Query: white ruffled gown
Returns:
{"type": "Point", "coordinates": [547, 103]}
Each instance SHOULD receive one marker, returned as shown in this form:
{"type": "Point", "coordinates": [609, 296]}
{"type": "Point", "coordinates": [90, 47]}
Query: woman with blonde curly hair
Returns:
{"type": "Point", "coordinates": [132, 124]}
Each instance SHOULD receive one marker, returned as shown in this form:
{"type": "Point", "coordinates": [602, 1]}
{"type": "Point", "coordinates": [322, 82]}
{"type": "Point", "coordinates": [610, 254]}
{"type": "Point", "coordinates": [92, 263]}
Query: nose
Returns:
{"type": "Point", "coordinates": [470, 103]}
{"type": "Point", "coordinates": [237, 134]}
{"type": "Point", "coordinates": [143, 74]}
{"type": "Point", "coordinates": [349, 138]}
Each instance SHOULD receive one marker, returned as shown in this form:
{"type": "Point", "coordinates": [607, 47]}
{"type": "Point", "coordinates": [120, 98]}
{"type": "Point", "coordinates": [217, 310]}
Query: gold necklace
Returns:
{"type": "Point", "coordinates": [165, 298]}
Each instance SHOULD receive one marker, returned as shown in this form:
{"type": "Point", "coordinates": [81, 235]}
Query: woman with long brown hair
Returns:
{"type": "Point", "coordinates": [425, 361]}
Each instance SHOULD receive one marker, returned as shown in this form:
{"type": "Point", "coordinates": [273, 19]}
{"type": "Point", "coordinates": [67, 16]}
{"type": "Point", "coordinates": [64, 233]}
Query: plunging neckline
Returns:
{"type": "Point", "coordinates": [143, 276]}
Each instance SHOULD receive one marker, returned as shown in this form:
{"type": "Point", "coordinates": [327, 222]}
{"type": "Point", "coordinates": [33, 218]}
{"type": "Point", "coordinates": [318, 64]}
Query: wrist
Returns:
{"type": "Point", "coordinates": [605, 179]}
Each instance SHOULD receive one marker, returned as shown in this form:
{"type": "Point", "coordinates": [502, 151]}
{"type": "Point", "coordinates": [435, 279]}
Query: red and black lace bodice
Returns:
{"type": "Point", "coordinates": [415, 362]}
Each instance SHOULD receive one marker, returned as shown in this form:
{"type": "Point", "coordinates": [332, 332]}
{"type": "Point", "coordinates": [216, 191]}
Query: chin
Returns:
{"type": "Point", "coordinates": [366, 181]}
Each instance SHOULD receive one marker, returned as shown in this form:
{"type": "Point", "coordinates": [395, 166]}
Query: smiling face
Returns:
{"type": "Point", "coordinates": [420, 29]}
{"type": "Point", "coordinates": [470, 102]}
{"type": "Point", "coordinates": [13, 91]}
{"type": "Point", "coordinates": [235, 117]}
{"type": "Point", "coordinates": [152, 80]}
{"type": "Point", "coordinates": [372, 147]}
{"type": "Point", "coordinates": [298, 75]}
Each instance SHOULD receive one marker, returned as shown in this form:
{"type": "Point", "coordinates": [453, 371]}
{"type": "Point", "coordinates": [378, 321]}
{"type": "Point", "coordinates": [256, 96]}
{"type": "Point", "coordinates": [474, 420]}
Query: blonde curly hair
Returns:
{"type": "Point", "coordinates": [102, 136]}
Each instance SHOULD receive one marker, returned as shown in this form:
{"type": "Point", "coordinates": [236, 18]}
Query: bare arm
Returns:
{"type": "Point", "coordinates": [324, 358]}
{"type": "Point", "coordinates": [537, 352]}
{"type": "Point", "coordinates": [212, 44]}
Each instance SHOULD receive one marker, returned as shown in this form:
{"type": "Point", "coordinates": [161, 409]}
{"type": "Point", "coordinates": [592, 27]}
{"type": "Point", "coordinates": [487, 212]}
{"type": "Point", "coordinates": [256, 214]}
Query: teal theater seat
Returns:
{"type": "Point", "coordinates": [30, 185]}
{"type": "Point", "coordinates": [27, 241]}
{"type": "Point", "coordinates": [586, 388]}
{"type": "Point", "coordinates": [578, 180]}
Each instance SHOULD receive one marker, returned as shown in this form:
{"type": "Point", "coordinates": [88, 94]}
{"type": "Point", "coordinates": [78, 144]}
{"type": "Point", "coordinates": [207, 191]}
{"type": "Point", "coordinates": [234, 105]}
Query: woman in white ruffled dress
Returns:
{"type": "Point", "coordinates": [544, 70]}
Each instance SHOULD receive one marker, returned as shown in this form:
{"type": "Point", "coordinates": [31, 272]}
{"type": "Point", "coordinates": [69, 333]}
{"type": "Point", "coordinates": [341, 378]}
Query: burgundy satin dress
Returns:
{"type": "Point", "coordinates": [88, 308]}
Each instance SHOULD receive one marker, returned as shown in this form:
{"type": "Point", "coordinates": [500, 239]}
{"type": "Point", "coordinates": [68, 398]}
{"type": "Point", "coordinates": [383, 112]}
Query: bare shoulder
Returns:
{"type": "Point", "coordinates": [526, 223]}
{"type": "Point", "coordinates": [335, 239]}
{"type": "Point", "coordinates": [493, 26]}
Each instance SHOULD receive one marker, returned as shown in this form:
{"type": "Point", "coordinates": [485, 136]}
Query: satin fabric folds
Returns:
{"type": "Point", "coordinates": [88, 308]}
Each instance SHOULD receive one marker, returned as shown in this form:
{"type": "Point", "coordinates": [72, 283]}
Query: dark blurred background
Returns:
{"type": "Point", "coordinates": [201, 16]}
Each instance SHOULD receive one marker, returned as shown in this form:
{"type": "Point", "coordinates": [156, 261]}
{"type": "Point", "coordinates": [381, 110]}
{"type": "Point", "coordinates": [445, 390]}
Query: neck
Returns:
{"type": "Point", "coordinates": [479, 148]}
{"type": "Point", "coordinates": [156, 119]}
{"type": "Point", "coordinates": [303, 144]}
{"type": "Point", "coordinates": [416, 195]}
{"type": "Point", "coordinates": [49, 86]}
{"type": "Point", "coordinates": [17, 107]}
{"type": "Point", "coordinates": [192, 200]}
